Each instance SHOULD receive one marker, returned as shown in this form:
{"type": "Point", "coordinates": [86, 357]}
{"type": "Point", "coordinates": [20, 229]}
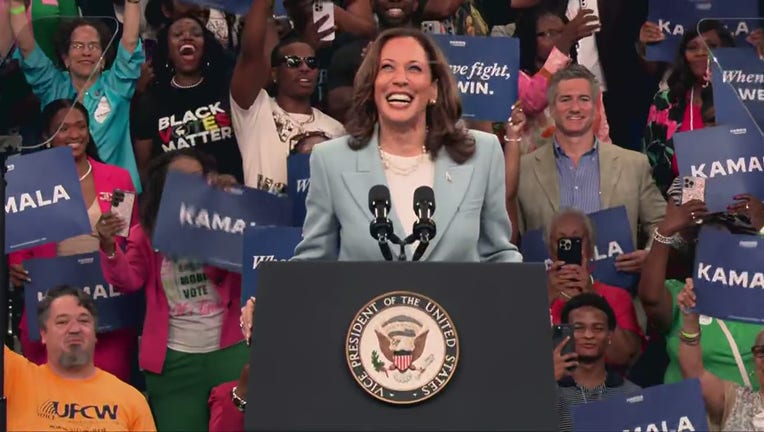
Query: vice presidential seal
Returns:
{"type": "Point", "coordinates": [402, 348]}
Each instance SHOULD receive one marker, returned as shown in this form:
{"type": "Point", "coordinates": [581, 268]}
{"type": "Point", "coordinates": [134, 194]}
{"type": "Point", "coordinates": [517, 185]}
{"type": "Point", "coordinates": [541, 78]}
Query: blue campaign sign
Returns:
{"type": "Point", "coordinates": [676, 17]}
{"type": "Point", "coordinates": [729, 157]}
{"type": "Point", "coordinates": [729, 285]}
{"type": "Point", "coordinates": [613, 238]}
{"type": "Point", "coordinates": [676, 407]}
{"type": "Point", "coordinates": [738, 79]}
{"type": "Point", "coordinates": [298, 183]}
{"type": "Point", "coordinates": [39, 208]}
{"type": "Point", "coordinates": [278, 9]}
{"type": "Point", "coordinates": [238, 7]}
{"type": "Point", "coordinates": [206, 224]}
{"type": "Point", "coordinates": [115, 310]}
{"type": "Point", "coordinates": [263, 244]}
{"type": "Point", "coordinates": [486, 73]}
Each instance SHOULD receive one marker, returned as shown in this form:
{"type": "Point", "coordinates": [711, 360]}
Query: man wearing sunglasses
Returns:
{"type": "Point", "coordinates": [265, 126]}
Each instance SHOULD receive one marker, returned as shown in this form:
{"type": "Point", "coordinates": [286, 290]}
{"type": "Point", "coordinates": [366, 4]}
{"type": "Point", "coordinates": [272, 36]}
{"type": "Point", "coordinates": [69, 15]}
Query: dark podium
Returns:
{"type": "Point", "coordinates": [300, 372]}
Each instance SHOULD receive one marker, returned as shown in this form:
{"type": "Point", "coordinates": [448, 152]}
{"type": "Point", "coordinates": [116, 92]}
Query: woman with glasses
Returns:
{"type": "Point", "coordinates": [105, 92]}
{"type": "Point", "coordinates": [188, 104]}
{"type": "Point", "coordinates": [734, 407]}
{"type": "Point", "coordinates": [265, 126]}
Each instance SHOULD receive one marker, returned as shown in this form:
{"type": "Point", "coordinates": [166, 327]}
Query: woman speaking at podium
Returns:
{"type": "Point", "coordinates": [404, 133]}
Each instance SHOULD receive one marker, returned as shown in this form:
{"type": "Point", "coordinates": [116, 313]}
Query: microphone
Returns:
{"type": "Point", "coordinates": [424, 228]}
{"type": "Point", "coordinates": [381, 228]}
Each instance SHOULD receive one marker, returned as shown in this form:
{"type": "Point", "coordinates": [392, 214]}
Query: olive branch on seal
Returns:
{"type": "Point", "coordinates": [379, 365]}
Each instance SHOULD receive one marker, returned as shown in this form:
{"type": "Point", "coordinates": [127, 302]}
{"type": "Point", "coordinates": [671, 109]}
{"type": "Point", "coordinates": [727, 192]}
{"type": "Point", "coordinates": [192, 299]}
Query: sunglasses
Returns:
{"type": "Point", "coordinates": [293, 62]}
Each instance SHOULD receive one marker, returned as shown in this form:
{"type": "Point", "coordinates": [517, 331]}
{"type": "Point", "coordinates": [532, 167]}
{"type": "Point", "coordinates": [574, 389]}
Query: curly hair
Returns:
{"type": "Point", "coordinates": [63, 38]}
{"type": "Point", "coordinates": [213, 61]}
{"type": "Point", "coordinates": [154, 182]}
{"type": "Point", "coordinates": [443, 119]}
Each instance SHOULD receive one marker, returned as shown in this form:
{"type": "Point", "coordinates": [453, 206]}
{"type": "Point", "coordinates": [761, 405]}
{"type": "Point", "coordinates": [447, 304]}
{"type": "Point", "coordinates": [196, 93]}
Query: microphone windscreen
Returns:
{"type": "Point", "coordinates": [379, 193]}
{"type": "Point", "coordinates": [424, 194]}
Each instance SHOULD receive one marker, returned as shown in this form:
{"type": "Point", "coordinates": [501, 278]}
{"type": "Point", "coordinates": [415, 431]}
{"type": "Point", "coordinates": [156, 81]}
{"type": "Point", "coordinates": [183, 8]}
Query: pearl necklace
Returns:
{"type": "Point", "coordinates": [390, 164]}
{"type": "Point", "coordinates": [87, 173]}
{"type": "Point", "coordinates": [175, 83]}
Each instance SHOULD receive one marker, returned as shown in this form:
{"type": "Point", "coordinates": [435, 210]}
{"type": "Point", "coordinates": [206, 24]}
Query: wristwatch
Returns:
{"type": "Point", "coordinates": [238, 402]}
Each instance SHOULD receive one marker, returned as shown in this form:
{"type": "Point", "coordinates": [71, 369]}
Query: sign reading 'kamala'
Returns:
{"type": "Point", "coordinates": [729, 285]}
{"type": "Point", "coordinates": [47, 208]}
{"type": "Point", "coordinates": [733, 168]}
{"type": "Point", "coordinates": [204, 223]}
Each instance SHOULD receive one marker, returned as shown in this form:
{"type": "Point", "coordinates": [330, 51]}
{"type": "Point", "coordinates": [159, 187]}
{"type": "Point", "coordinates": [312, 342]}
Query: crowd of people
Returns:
{"type": "Point", "coordinates": [138, 88]}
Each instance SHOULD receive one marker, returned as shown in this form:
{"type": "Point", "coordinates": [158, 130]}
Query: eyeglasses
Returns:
{"type": "Point", "coordinates": [757, 350]}
{"type": "Point", "coordinates": [549, 33]}
{"type": "Point", "coordinates": [293, 62]}
{"type": "Point", "coordinates": [89, 46]}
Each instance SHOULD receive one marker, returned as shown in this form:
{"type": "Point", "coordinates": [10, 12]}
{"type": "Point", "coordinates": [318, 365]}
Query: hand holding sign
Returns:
{"type": "Point", "coordinates": [650, 32]}
{"type": "Point", "coordinates": [516, 123]}
{"type": "Point", "coordinates": [751, 207]}
{"type": "Point", "coordinates": [631, 261]}
{"type": "Point", "coordinates": [687, 301]}
{"type": "Point", "coordinates": [247, 318]}
{"type": "Point", "coordinates": [18, 275]}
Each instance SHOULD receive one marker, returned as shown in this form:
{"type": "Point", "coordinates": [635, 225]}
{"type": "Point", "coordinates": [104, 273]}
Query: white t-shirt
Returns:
{"type": "Point", "coordinates": [196, 312]}
{"type": "Point", "coordinates": [264, 133]}
{"type": "Point", "coordinates": [588, 54]}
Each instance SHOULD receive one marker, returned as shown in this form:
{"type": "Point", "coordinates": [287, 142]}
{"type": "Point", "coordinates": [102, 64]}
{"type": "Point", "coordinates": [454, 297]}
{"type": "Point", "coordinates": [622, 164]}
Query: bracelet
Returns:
{"type": "Point", "coordinates": [514, 140]}
{"type": "Point", "coordinates": [662, 239]}
{"type": "Point", "coordinates": [18, 10]}
{"type": "Point", "coordinates": [689, 338]}
{"type": "Point", "coordinates": [689, 335]}
{"type": "Point", "coordinates": [238, 402]}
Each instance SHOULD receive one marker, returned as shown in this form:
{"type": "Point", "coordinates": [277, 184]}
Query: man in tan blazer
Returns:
{"type": "Point", "coordinates": [577, 171]}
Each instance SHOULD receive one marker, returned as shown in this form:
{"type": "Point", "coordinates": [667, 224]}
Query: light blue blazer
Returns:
{"type": "Point", "coordinates": [470, 214]}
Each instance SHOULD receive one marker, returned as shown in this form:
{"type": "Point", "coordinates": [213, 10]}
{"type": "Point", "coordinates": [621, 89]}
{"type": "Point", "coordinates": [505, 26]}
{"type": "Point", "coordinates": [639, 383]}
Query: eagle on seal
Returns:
{"type": "Point", "coordinates": [402, 340]}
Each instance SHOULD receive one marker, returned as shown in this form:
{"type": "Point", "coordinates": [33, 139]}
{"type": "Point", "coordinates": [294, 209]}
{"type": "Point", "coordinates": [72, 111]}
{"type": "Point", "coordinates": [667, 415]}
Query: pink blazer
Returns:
{"type": "Point", "coordinates": [137, 267]}
{"type": "Point", "coordinates": [532, 92]}
{"type": "Point", "coordinates": [224, 417]}
{"type": "Point", "coordinates": [114, 349]}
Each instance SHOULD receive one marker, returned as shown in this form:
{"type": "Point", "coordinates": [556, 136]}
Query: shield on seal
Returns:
{"type": "Point", "coordinates": [402, 361]}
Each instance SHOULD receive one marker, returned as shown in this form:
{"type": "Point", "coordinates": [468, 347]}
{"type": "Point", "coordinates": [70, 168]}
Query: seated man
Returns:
{"type": "Point", "coordinates": [568, 280]}
{"type": "Point", "coordinates": [576, 171]}
{"type": "Point", "coordinates": [582, 376]}
{"type": "Point", "coordinates": [69, 392]}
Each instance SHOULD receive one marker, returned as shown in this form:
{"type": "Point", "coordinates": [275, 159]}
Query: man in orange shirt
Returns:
{"type": "Point", "coordinates": [69, 392]}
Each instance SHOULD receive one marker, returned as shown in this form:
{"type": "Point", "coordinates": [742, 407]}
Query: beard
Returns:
{"type": "Point", "coordinates": [77, 357]}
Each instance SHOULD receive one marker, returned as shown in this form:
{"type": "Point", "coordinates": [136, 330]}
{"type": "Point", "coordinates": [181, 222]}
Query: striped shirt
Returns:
{"type": "Point", "coordinates": [579, 185]}
{"type": "Point", "coordinates": [569, 393]}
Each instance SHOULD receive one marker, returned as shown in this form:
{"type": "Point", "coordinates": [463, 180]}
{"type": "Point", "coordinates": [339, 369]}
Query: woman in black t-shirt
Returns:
{"type": "Point", "coordinates": [188, 105]}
